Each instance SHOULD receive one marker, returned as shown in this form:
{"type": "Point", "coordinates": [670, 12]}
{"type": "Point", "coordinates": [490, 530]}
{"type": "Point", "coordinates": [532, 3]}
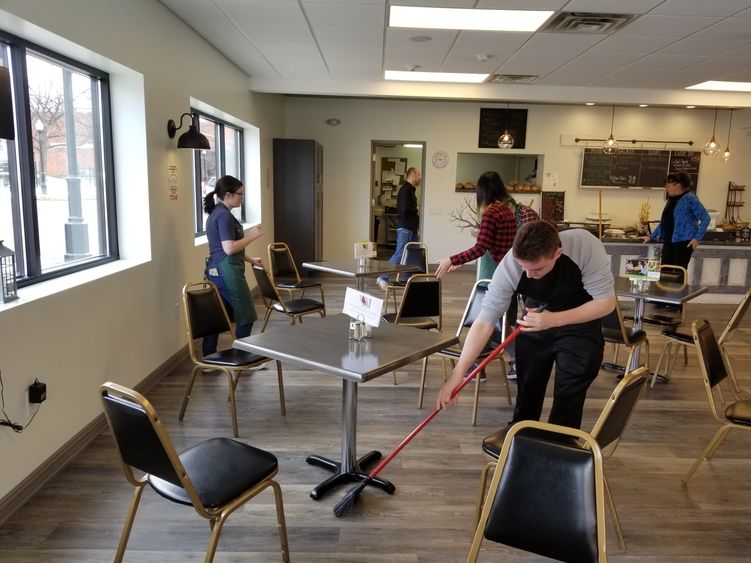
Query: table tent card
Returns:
{"type": "Point", "coordinates": [642, 269]}
{"type": "Point", "coordinates": [362, 307]}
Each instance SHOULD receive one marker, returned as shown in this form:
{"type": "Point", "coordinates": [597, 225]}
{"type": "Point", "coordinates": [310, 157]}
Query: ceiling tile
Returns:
{"type": "Point", "coordinates": [704, 47]}
{"type": "Point", "coordinates": [569, 42]}
{"type": "Point", "coordinates": [482, 41]}
{"type": "Point", "coordinates": [669, 26]}
{"type": "Point", "coordinates": [612, 6]}
{"type": "Point", "coordinates": [633, 44]}
{"type": "Point", "coordinates": [670, 61]}
{"type": "Point", "coordinates": [701, 7]}
{"type": "Point", "coordinates": [345, 13]}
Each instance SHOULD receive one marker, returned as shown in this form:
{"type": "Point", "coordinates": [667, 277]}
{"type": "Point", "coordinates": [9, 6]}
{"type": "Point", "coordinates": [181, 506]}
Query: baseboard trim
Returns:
{"type": "Point", "coordinates": [27, 488]}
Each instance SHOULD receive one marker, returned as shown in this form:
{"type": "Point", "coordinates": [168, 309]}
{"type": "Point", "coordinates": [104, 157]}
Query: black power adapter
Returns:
{"type": "Point", "coordinates": [37, 392]}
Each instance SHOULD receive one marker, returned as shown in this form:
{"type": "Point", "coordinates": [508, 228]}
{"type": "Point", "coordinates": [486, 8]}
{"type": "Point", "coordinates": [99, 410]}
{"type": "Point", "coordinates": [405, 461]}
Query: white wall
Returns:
{"type": "Point", "coordinates": [123, 326]}
{"type": "Point", "coordinates": [453, 127]}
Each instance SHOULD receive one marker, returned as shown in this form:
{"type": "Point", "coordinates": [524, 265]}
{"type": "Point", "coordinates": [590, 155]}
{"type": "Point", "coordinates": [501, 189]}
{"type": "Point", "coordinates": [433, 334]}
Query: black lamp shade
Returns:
{"type": "Point", "coordinates": [193, 139]}
{"type": "Point", "coordinates": [6, 105]}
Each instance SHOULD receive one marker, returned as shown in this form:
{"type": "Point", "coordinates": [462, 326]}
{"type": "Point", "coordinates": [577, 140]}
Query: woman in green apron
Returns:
{"type": "Point", "coordinates": [226, 263]}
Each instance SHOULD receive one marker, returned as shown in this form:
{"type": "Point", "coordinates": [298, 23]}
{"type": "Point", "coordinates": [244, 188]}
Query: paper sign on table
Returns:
{"type": "Point", "coordinates": [362, 306]}
{"type": "Point", "coordinates": [365, 248]}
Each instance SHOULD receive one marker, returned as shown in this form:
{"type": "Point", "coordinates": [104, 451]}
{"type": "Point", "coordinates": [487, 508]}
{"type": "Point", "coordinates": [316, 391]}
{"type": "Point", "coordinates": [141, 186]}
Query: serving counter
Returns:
{"type": "Point", "coordinates": [722, 266]}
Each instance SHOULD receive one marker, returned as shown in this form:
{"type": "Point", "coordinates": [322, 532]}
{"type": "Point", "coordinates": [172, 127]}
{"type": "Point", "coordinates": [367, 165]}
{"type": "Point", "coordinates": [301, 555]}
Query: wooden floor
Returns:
{"type": "Point", "coordinates": [78, 516]}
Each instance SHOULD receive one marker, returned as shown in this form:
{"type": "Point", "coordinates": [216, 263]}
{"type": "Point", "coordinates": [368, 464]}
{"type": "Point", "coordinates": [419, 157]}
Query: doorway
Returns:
{"type": "Point", "coordinates": [390, 161]}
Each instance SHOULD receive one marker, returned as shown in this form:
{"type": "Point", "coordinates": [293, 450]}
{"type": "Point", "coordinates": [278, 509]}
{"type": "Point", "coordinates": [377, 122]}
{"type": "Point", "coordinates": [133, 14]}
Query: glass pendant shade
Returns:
{"type": "Point", "coordinates": [726, 155]}
{"type": "Point", "coordinates": [610, 146]}
{"type": "Point", "coordinates": [505, 141]}
{"type": "Point", "coordinates": [712, 147]}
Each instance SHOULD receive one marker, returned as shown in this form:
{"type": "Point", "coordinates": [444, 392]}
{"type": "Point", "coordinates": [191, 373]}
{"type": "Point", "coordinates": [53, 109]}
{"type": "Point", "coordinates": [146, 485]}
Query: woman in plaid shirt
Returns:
{"type": "Point", "coordinates": [501, 216]}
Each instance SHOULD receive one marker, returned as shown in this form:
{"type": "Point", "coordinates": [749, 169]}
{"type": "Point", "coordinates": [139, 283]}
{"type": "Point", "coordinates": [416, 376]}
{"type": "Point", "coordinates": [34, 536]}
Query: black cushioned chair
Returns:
{"type": "Point", "coordinates": [615, 331]}
{"type": "Point", "coordinates": [420, 307]}
{"type": "Point", "coordinates": [284, 272]}
{"type": "Point", "coordinates": [414, 254]}
{"type": "Point", "coordinates": [471, 311]}
{"type": "Point", "coordinates": [607, 431]}
{"type": "Point", "coordinates": [727, 407]}
{"type": "Point", "coordinates": [294, 308]}
{"type": "Point", "coordinates": [204, 315]}
{"type": "Point", "coordinates": [547, 495]}
{"type": "Point", "coordinates": [215, 477]}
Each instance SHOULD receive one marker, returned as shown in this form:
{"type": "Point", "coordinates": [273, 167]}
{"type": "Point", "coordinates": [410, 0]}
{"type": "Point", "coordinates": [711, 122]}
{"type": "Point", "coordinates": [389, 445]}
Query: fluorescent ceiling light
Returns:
{"type": "Point", "coordinates": [413, 76]}
{"type": "Point", "coordinates": [720, 85]}
{"type": "Point", "coordinates": [589, 104]}
{"type": "Point", "coordinates": [468, 19]}
{"type": "Point", "coordinates": [411, 146]}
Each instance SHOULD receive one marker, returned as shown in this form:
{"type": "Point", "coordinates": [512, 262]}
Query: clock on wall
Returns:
{"type": "Point", "coordinates": [440, 159]}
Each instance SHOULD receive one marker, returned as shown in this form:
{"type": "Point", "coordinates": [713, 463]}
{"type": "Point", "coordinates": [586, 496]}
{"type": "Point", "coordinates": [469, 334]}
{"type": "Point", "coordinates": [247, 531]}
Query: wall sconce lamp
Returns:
{"type": "Point", "coordinates": [192, 138]}
{"type": "Point", "coordinates": [610, 146]}
{"type": "Point", "coordinates": [726, 155]}
{"type": "Point", "coordinates": [712, 147]}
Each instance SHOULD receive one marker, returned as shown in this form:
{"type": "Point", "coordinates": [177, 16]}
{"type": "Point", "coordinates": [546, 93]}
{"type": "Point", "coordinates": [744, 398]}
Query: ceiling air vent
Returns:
{"type": "Point", "coordinates": [587, 22]}
{"type": "Point", "coordinates": [513, 78]}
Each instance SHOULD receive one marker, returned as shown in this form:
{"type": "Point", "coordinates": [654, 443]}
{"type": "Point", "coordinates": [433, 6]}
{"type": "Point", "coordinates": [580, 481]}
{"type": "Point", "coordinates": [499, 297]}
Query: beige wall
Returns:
{"type": "Point", "coordinates": [453, 126]}
{"type": "Point", "coordinates": [123, 326]}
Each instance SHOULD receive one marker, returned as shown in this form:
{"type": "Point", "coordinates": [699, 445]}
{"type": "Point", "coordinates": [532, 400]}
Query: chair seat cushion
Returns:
{"type": "Point", "coordinates": [423, 323]}
{"type": "Point", "coordinates": [233, 357]}
{"type": "Point", "coordinates": [739, 412]}
{"type": "Point", "coordinates": [615, 335]}
{"type": "Point", "coordinates": [292, 284]}
{"type": "Point", "coordinates": [662, 320]}
{"type": "Point", "coordinates": [456, 351]}
{"type": "Point", "coordinates": [220, 469]}
{"type": "Point", "coordinates": [397, 283]}
{"type": "Point", "coordinates": [680, 336]}
{"type": "Point", "coordinates": [297, 306]}
{"type": "Point", "coordinates": [492, 444]}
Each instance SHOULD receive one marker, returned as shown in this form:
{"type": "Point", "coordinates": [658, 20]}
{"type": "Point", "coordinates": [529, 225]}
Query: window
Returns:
{"type": "Point", "coordinates": [224, 157]}
{"type": "Point", "coordinates": [57, 205]}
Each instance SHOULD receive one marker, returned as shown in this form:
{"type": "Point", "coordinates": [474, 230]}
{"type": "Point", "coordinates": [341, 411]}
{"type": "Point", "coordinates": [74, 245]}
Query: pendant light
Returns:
{"type": "Point", "coordinates": [712, 147]}
{"type": "Point", "coordinates": [726, 155]}
{"type": "Point", "coordinates": [506, 141]}
{"type": "Point", "coordinates": [610, 146]}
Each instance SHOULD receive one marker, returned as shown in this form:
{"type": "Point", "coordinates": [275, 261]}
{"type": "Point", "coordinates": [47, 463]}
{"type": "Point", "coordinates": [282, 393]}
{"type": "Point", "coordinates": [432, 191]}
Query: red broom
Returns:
{"type": "Point", "coordinates": [345, 504]}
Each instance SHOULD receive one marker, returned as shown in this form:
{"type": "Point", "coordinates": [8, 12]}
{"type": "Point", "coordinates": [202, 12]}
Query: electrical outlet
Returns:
{"type": "Point", "coordinates": [177, 311]}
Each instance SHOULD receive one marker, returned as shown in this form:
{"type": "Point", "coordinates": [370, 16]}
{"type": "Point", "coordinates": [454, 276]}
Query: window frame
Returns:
{"type": "Point", "coordinates": [26, 222]}
{"type": "Point", "coordinates": [221, 156]}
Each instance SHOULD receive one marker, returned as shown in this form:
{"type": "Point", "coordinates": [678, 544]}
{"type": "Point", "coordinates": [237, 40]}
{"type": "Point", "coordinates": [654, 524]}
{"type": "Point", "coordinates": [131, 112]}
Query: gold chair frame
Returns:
{"type": "Point", "coordinates": [299, 284]}
{"type": "Point", "coordinates": [451, 356]}
{"type": "Point", "coordinates": [392, 288]}
{"type": "Point", "coordinates": [232, 371]}
{"type": "Point", "coordinates": [626, 341]}
{"type": "Point", "coordinates": [599, 481]}
{"type": "Point", "coordinates": [274, 302]}
{"type": "Point", "coordinates": [216, 516]}
{"type": "Point", "coordinates": [721, 400]}
{"type": "Point", "coordinates": [637, 377]}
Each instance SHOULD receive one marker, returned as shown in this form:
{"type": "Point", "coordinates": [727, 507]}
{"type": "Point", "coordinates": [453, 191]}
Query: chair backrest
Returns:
{"type": "Point", "coordinates": [474, 306]}
{"type": "Point", "coordinates": [620, 406]}
{"type": "Point", "coordinates": [735, 319]}
{"type": "Point", "coordinates": [548, 494]}
{"type": "Point", "coordinates": [422, 298]}
{"type": "Point", "coordinates": [712, 366]}
{"type": "Point", "coordinates": [265, 287]}
{"type": "Point", "coordinates": [281, 262]}
{"type": "Point", "coordinates": [141, 440]}
{"type": "Point", "coordinates": [614, 328]}
{"type": "Point", "coordinates": [415, 254]}
{"type": "Point", "coordinates": [673, 274]}
{"type": "Point", "coordinates": [205, 313]}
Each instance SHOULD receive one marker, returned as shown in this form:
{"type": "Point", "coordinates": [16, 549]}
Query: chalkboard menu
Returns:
{"type": "Point", "coordinates": [637, 168]}
{"type": "Point", "coordinates": [552, 206]}
{"type": "Point", "coordinates": [494, 121]}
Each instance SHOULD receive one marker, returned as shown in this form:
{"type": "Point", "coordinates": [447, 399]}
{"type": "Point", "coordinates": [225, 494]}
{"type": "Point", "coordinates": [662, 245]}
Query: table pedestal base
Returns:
{"type": "Point", "coordinates": [341, 477]}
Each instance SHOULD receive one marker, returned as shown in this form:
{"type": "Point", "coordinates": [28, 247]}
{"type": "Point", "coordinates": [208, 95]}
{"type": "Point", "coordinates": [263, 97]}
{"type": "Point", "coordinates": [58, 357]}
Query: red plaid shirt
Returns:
{"type": "Point", "coordinates": [496, 233]}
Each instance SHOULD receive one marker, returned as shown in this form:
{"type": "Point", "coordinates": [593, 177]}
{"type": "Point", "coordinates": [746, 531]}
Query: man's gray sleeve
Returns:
{"type": "Point", "coordinates": [589, 254]}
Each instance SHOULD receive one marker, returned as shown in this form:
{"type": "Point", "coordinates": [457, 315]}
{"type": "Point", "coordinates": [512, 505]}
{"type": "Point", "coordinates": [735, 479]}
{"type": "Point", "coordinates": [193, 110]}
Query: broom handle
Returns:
{"type": "Point", "coordinates": [492, 356]}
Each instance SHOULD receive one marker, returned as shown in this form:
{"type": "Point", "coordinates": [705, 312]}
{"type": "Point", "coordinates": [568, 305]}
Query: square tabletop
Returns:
{"type": "Point", "coordinates": [353, 269]}
{"type": "Point", "coordinates": [657, 291]}
{"type": "Point", "coordinates": [323, 344]}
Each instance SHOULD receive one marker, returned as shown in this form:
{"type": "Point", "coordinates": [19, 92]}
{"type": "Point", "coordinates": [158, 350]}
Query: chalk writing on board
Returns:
{"type": "Point", "coordinates": [637, 168]}
{"type": "Point", "coordinates": [494, 121]}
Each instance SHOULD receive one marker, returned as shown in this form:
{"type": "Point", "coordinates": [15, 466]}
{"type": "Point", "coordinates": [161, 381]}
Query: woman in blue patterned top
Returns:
{"type": "Point", "coordinates": [683, 223]}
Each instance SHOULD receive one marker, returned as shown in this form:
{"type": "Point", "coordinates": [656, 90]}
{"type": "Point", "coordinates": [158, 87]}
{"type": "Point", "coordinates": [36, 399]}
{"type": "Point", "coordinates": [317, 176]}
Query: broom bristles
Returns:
{"type": "Point", "coordinates": [345, 504]}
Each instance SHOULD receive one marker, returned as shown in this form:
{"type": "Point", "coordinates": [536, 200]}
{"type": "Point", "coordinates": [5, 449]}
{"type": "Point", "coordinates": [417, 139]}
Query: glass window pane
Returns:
{"type": "Point", "coordinates": [65, 115]}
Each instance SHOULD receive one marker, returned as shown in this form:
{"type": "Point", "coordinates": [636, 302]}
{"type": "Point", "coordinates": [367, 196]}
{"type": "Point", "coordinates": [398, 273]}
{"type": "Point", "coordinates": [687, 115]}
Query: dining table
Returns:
{"type": "Point", "coordinates": [644, 291]}
{"type": "Point", "coordinates": [359, 269]}
{"type": "Point", "coordinates": [323, 345]}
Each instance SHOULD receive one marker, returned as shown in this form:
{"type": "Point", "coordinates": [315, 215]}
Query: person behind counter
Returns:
{"type": "Point", "coordinates": [226, 264]}
{"type": "Point", "coordinates": [683, 223]}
